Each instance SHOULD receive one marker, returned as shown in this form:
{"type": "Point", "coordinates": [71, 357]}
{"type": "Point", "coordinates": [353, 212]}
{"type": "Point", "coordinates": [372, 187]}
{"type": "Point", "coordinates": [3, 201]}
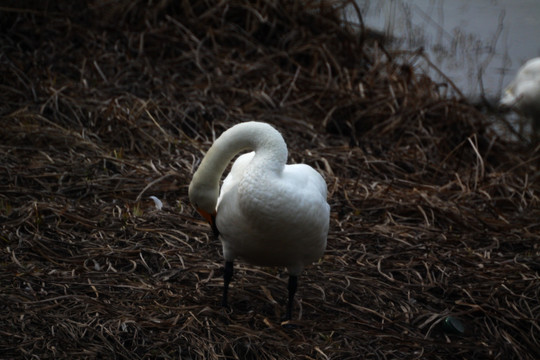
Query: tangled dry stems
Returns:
{"type": "Point", "coordinates": [104, 104]}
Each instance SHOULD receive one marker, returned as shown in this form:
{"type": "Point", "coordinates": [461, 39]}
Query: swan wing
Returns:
{"type": "Point", "coordinates": [300, 175]}
{"type": "Point", "coordinates": [274, 220]}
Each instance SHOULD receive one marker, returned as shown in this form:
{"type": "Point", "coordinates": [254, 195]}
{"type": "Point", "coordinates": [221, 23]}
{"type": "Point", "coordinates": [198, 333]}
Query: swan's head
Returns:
{"type": "Point", "coordinates": [203, 197]}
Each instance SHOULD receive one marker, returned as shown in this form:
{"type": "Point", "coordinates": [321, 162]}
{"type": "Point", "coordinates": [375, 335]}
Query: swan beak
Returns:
{"type": "Point", "coordinates": [211, 218]}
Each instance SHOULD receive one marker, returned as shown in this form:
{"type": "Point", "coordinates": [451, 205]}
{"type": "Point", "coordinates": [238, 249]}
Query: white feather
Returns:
{"type": "Point", "coordinates": [157, 202]}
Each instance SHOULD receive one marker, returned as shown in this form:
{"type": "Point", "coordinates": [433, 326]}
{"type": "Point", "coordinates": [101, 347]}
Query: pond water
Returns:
{"type": "Point", "coordinates": [478, 44]}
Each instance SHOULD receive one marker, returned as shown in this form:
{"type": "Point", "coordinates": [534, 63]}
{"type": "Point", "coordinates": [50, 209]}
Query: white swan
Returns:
{"type": "Point", "coordinates": [267, 213]}
{"type": "Point", "coordinates": [523, 93]}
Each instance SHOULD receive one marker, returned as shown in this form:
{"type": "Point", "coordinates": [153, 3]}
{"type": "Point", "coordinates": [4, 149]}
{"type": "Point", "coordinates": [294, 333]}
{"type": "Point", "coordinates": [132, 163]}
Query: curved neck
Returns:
{"type": "Point", "coordinates": [268, 144]}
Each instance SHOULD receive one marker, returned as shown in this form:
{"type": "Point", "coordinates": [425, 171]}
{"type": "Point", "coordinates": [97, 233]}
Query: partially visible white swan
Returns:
{"type": "Point", "coordinates": [523, 93]}
{"type": "Point", "coordinates": [268, 213]}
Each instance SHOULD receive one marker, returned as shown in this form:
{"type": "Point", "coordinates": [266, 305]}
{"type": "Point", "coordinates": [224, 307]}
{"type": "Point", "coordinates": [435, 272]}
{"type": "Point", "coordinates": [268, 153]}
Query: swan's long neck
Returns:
{"type": "Point", "coordinates": [268, 144]}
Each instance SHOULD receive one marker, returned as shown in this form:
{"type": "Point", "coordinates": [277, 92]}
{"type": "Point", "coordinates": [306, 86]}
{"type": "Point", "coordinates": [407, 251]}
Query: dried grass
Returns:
{"type": "Point", "coordinates": [106, 103]}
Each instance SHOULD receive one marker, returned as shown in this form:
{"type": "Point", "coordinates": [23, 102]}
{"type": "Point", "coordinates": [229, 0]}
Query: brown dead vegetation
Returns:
{"type": "Point", "coordinates": [105, 103]}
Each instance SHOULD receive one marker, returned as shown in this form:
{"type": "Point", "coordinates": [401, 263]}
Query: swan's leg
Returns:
{"type": "Point", "coordinates": [293, 285]}
{"type": "Point", "coordinates": [227, 276]}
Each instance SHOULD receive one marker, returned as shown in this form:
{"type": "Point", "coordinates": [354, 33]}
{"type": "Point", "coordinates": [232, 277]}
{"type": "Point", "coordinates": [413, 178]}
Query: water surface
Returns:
{"type": "Point", "coordinates": [479, 44]}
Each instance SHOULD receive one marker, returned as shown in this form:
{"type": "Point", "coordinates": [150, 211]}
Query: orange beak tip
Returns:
{"type": "Point", "coordinates": [209, 217]}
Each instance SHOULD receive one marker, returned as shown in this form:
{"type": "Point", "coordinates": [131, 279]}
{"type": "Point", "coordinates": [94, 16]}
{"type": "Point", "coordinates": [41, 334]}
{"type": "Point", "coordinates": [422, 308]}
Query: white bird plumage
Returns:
{"type": "Point", "coordinates": [523, 93]}
{"type": "Point", "coordinates": [157, 202]}
{"type": "Point", "coordinates": [267, 213]}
